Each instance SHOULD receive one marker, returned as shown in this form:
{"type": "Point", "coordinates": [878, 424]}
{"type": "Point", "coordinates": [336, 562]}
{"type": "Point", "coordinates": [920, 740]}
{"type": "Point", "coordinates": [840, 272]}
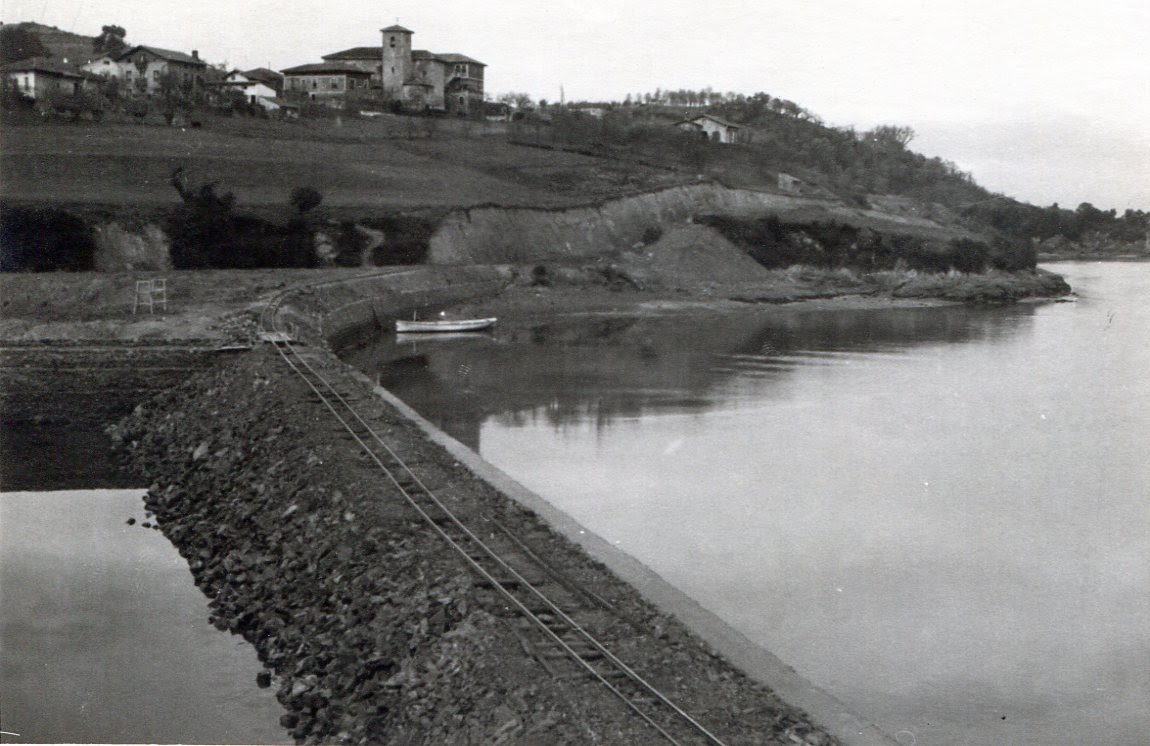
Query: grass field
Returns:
{"type": "Point", "coordinates": [377, 164]}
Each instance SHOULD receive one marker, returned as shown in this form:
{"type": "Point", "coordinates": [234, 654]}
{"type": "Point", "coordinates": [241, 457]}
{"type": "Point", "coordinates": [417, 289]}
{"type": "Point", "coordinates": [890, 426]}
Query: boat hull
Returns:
{"type": "Point", "coordinates": [443, 325]}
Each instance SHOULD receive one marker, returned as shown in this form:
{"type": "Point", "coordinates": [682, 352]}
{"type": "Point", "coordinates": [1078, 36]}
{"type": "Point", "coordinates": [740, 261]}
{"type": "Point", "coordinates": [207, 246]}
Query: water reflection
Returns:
{"type": "Point", "coordinates": [937, 514]}
{"type": "Point", "coordinates": [604, 370]}
{"type": "Point", "coordinates": [105, 636]}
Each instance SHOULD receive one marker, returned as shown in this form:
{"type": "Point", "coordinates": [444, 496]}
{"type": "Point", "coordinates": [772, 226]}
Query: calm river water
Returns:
{"type": "Point", "coordinates": [105, 638]}
{"type": "Point", "coordinates": [940, 515]}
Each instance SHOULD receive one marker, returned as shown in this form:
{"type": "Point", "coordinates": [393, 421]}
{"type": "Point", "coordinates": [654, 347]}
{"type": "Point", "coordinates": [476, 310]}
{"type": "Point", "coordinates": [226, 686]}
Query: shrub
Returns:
{"type": "Point", "coordinates": [201, 228]}
{"type": "Point", "coordinates": [349, 245]}
{"type": "Point", "coordinates": [651, 234]}
{"type": "Point", "coordinates": [44, 240]}
{"type": "Point", "coordinates": [305, 198]}
{"type": "Point", "coordinates": [205, 234]}
{"type": "Point", "coordinates": [1014, 255]}
{"type": "Point", "coordinates": [968, 255]}
{"type": "Point", "coordinates": [407, 240]}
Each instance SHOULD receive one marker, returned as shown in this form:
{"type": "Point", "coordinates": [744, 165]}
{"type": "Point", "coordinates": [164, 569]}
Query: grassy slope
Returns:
{"type": "Point", "coordinates": [356, 164]}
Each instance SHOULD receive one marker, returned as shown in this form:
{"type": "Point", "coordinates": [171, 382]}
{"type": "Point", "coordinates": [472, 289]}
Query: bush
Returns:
{"type": "Point", "coordinates": [407, 240]}
{"type": "Point", "coordinates": [1014, 255]}
{"type": "Point", "coordinates": [968, 255]}
{"type": "Point", "coordinates": [305, 198]}
{"type": "Point", "coordinates": [45, 240]}
{"type": "Point", "coordinates": [349, 245]}
{"type": "Point", "coordinates": [776, 244]}
{"type": "Point", "coordinates": [205, 234]}
{"type": "Point", "coordinates": [651, 234]}
{"type": "Point", "coordinates": [201, 228]}
{"type": "Point", "coordinates": [540, 277]}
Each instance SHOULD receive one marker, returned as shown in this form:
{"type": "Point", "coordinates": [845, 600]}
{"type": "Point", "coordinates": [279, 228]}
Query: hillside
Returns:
{"type": "Point", "coordinates": [553, 156]}
{"type": "Point", "coordinates": [62, 45]}
{"type": "Point", "coordinates": [358, 165]}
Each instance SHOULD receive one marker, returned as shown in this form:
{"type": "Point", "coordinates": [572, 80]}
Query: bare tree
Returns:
{"type": "Point", "coordinates": [890, 134]}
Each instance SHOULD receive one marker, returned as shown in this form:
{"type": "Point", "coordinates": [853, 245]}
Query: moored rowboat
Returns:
{"type": "Point", "coordinates": [443, 325]}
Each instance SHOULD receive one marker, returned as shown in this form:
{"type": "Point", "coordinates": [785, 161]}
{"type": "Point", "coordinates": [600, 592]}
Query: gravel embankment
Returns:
{"type": "Point", "coordinates": [370, 629]}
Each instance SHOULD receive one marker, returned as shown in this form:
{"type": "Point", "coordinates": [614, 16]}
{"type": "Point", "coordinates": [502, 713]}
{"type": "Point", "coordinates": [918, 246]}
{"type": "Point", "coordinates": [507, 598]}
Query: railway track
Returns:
{"type": "Point", "coordinates": [564, 615]}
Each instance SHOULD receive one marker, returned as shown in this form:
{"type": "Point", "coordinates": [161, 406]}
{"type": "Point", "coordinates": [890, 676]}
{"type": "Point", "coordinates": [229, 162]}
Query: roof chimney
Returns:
{"type": "Point", "coordinates": [195, 54]}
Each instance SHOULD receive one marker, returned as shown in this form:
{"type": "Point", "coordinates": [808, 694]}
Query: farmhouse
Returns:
{"type": "Point", "coordinates": [711, 127]}
{"type": "Point", "coordinates": [415, 77]}
{"type": "Point", "coordinates": [325, 82]}
{"type": "Point", "coordinates": [147, 70]}
{"type": "Point", "coordinates": [38, 78]}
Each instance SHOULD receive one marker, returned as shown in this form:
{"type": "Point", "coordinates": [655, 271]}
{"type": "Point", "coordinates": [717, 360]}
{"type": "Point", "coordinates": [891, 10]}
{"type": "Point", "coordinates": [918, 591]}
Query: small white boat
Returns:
{"type": "Point", "coordinates": [443, 325]}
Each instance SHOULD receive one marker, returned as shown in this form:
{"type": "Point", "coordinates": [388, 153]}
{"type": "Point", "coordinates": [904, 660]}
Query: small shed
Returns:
{"type": "Point", "coordinates": [791, 184]}
{"type": "Point", "coordinates": [711, 127]}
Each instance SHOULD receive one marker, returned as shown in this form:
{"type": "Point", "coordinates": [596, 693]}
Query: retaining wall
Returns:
{"type": "Point", "coordinates": [337, 313]}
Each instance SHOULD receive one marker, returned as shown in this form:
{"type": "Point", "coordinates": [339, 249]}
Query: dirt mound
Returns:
{"type": "Point", "coordinates": [690, 256]}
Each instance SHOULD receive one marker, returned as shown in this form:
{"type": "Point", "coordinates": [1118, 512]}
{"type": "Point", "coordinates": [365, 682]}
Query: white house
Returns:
{"type": "Point", "coordinates": [255, 92]}
{"type": "Point", "coordinates": [39, 77]}
{"type": "Point", "coordinates": [711, 127]}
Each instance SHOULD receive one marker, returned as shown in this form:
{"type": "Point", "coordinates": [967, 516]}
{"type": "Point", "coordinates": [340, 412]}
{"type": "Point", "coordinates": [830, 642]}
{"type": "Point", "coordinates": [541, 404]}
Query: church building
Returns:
{"type": "Point", "coordinates": [418, 78]}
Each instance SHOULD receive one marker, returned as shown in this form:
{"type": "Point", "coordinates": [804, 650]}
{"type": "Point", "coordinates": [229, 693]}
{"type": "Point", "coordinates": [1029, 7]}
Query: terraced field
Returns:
{"type": "Point", "coordinates": [355, 164]}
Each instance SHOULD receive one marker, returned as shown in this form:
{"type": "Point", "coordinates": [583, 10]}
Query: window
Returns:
{"type": "Point", "coordinates": [392, 42]}
{"type": "Point", "coordinates": [155, 75]}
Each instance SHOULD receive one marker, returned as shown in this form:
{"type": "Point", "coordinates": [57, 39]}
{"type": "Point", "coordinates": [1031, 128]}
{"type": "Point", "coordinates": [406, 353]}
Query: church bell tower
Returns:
{"type": "Point", "coordinates": [396, 60]}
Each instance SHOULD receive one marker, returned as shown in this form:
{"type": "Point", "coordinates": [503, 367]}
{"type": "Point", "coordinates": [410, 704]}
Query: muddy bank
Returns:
{"type": "Point", "coordinates": [523, 234]}
{"type": "Point", "coordinates": [370, 631]}
{"type": "Point", "coordinates": [57, 399]}
{"type": "Point", "coordinates": [137, 239]}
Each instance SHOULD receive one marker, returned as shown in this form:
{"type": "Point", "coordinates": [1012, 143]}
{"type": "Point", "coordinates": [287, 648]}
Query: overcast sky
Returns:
{"type": "Point", "coordinates": [1042, 100]}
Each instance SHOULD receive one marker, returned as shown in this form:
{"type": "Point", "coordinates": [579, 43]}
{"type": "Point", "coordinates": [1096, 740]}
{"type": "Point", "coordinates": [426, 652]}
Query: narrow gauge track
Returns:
{"type": "Point", "coordinates": [502, 562]}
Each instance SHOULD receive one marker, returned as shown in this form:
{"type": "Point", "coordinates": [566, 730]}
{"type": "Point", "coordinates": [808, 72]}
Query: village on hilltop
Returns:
{"type": "Point", "coordinates": [392, 73]}
{"type": "Point", "coordinates": [393, 76]}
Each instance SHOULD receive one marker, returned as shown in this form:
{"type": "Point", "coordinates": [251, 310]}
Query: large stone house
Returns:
{"type": "Point", "coordinates": [143, 69]}
{"type": "Point", "coordinates": [325, 82]}
{"type": "Point", "coordinates": [416, 77]}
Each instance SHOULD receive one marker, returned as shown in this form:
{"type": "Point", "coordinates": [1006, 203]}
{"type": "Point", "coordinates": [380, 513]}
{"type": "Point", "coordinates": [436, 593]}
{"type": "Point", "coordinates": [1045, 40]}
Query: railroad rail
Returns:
{"type": "Point", "coordinates": [503, 563]}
